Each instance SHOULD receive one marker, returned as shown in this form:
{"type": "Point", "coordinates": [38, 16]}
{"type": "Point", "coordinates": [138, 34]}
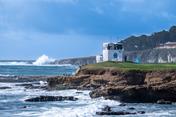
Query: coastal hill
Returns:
{"type": "Point", "coordinates": [144, 49]}
{"type": "Point", "coordinates": [144, 42]}
{"type": "Point", "coordinates": [126, 82]}
{"type": "Point", "coordinates": [77, 61]}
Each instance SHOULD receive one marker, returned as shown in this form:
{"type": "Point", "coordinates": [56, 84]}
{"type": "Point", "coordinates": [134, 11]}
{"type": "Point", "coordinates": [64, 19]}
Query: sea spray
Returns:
{"type": "Point", "coordinates": [43, 60]}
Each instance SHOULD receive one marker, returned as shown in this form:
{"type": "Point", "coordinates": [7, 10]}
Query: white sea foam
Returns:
{"type": "Point", "coordinates": [43, 60]}
{"type": "Point", "coordinates": [14, 63]}
{"type": "Point", "coordinates": [87, 109]}
{"type": "Point", "coordinates": [6, 75]}
{"type": "Point", "coordinates": [84, 107]}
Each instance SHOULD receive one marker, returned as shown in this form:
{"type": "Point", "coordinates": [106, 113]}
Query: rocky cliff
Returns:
{"type": "Point", "coordinates": [127, 86]}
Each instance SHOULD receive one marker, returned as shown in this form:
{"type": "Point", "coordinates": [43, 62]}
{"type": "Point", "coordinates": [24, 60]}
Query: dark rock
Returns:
{"type": "Point", "coordinates": [79, 92]}
{"type": "Point", "coordinates": [134, 77]}
{"type": "Point", "coordinates": [138, 94]}
{"type": "Point", "coordinates": [141, 112]}
{"type": "Point", "coordinates": [122, 104]}
{"type": "Point", "coordinates": [51, 98]}
{"type": "Point", "coordinates": [131, 108]}
{"type": "Point", "coordinates": [163, 102]}
{"type": "Point", "coordinates": [5, 87]}
{"type": "Point", "coordinates": [25, 85]}
{"type": "Point", "coordinates": [107, 109]}
{"type": "Point", "coordinates": [36, 87]}
{"type": "Point", "coordinates": [24, 107]}
{"type": "Point", "coordinates": [115, 113]}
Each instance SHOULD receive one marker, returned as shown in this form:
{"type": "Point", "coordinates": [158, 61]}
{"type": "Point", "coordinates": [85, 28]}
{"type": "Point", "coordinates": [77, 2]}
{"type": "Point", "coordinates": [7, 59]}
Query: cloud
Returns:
{"type": "Point", "coordinates": [62, 1]}
{"type": "Point", "coordinates": [94, 17]}
{"type": "Point", "coordinates": [98, 10]}
{"type": "Point", "coordinates": [146, 8]}
{"type": "Point", "coordinates": [33, 27]}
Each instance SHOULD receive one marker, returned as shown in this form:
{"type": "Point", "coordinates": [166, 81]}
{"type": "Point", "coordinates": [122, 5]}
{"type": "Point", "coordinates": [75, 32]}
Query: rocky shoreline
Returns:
{"type": "Point", "coordinates": [126, 86]}
{"type": "Point", "coordinates": [131, 86]}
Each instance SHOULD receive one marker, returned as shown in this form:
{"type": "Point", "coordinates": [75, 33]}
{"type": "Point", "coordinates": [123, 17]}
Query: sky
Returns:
{"type": "Point", "coordinates": [76, 28]}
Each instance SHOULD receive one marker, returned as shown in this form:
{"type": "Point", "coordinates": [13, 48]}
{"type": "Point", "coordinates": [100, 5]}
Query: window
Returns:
{"type": "Point", "coordinates": [115, 55]}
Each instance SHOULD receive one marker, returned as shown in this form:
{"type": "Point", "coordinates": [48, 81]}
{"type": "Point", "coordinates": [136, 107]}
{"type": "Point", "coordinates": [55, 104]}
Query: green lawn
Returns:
{"type": "Point", "coordinates": [132, 66]}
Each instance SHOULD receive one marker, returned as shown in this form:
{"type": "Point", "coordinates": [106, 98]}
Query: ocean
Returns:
{"type": "Point", "coordinates": [12, 100]}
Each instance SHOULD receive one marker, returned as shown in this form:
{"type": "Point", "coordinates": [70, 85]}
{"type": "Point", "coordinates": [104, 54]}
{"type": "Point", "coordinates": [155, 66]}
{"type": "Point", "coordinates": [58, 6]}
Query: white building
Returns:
{"type": "Point", "coordinates": [111, 52]}
{"type": "Point", "coordinates": [99, 58]}
{"type": "Point", "coordinates": [168, 45]}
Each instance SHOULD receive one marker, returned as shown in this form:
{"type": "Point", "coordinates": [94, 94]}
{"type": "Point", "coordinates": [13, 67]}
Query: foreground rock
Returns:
{"type": "Point", "coordinates": [108, 111]}
{"type": "Point", "coordinates": [22, 79]}
{"type": "Point", "coordinates": [51, 98]}
{"type": "Point", "coordinates": [5, 87]}
{"type": "Point", "coordinates": [163, 102]}
{"type": "Point", "coordinates": [33, 85]}
{"type": "Point", "coordinates": [132, 86]}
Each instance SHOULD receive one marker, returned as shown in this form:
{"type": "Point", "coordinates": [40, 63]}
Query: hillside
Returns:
{"type": "Point", "coordinates": [145, 42]}
{"type": "Point", "coordinates": [77, 61]}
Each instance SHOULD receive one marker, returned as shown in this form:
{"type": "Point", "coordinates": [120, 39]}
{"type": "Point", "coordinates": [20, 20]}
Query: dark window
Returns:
{"type": "Point", "coordinates": [115, 55]}
{"type": "Point", "coordinates": [109, 47]}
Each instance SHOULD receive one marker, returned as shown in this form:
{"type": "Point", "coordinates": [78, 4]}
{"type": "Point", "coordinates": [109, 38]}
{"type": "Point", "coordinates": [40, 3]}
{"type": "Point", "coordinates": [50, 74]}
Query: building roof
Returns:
{"type": "Point", "coordinates": [170, 43]}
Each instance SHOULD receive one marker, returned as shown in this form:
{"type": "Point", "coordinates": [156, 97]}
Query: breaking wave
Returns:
{"type": "Point", "coordinates": [43, 60]}
{"type": "Point", "coordinates": [14, 63]}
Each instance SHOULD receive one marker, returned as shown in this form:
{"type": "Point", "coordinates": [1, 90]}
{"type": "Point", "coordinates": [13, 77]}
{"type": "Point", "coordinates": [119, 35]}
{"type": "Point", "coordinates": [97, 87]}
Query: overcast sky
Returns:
{"type": "Point", "coordinates": [74, 28]}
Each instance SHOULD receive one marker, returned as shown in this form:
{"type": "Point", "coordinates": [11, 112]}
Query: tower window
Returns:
{"type": "Point", "coordinates": [115, 55]}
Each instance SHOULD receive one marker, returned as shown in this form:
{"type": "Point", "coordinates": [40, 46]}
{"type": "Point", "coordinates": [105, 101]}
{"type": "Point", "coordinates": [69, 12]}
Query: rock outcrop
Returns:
{"type": "Point", "coordinates": [134, 86]}
{"type": "Point", "coordinates": [108, 111]}
{"type": "Point", "coordinates": [51, 98]}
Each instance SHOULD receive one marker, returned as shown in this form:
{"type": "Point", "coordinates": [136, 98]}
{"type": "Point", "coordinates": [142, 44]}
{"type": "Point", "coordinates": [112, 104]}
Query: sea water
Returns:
{"type": "Point", "coordinates": [12, 102]}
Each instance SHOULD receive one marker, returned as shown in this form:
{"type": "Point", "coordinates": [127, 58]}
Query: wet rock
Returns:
{"type": "Point", "coordinates": [108, 111]}
{"type": "Point", "coordinates": [24, 85]}
{"type": "Point", "coordinates": [51, 98]}
{"type": "Point", "coordinates": [5, 87]}
{"type": "Point", "coordinates": [115, 113]}
{"type": "Point", "coordinates": [131, 108]}
{"type": "Point", "coordinates": [24, 106]}
{"type": "Point", "coordinates": [37, 87]}
{"type": "Point", "coordinates": [79, 92]}
{"type": "Point", "coordinates": [163, 102]}
{"type": "Point", "coordinates": [141, 112]}
{"type": "Point", "coordinates": [107, 108]}
{"type": "Point", "coordinates": [122, 104]}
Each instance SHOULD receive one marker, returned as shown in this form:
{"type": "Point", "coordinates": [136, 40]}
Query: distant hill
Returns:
{"type": "Point", "coordinates": [144, 42]}
{"type": "Point", "coordinates": [77, 61]}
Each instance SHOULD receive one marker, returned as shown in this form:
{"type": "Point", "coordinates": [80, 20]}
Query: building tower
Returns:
{"type": "Point", "coordinates": [112, 52]}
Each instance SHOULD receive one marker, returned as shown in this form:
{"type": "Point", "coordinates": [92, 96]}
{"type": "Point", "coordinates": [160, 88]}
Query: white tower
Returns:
{"type": "Point", "coordinates": [112, 52]}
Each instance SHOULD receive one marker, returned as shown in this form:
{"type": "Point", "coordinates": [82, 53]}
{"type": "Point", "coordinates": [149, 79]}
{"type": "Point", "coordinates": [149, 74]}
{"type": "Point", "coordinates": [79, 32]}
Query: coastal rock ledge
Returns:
{"type": "Point", "coordinates": [132, 86]}
{"type": "Point", "coordinates": [51, 98]}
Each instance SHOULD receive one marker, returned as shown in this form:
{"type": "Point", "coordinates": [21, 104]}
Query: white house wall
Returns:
{"type": "Point", "coordinates": [108, 55]}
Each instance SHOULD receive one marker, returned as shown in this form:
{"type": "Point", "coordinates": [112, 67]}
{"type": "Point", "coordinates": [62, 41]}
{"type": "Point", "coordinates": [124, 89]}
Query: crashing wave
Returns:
{"type": "Point", "coordinates": [43, 60]}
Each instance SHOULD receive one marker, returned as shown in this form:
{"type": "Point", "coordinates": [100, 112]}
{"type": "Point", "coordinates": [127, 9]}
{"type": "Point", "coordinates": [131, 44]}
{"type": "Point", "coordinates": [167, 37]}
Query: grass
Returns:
{"type": "Point", "coordinates": [132, 66]}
